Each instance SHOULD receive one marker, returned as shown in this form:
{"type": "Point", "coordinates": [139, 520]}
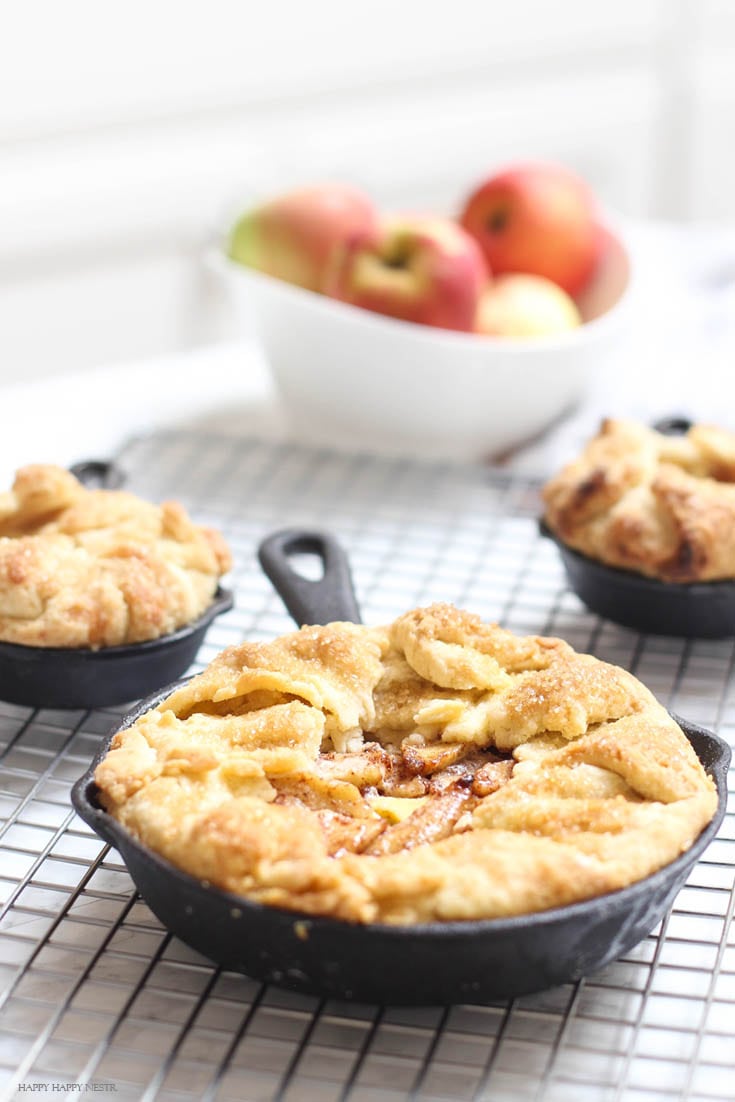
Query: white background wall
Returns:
{"type": "Point", "coordinates": [129, 134]}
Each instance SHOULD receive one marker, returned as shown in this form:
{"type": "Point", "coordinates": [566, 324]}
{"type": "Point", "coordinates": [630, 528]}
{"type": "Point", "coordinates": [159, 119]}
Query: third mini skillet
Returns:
{"type": "Point", "coordinates": [704, 610]}
{"type": "Point", "coordinates": [437, 963]}
{"type": "Point", "coordinates": [80, 677]}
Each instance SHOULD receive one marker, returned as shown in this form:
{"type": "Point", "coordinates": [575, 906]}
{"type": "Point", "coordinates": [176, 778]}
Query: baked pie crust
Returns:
{"type": "Point", "coordinates": [436, 769]}
{"type": "Point", "coordinates": [98, 568]}
{"type": "Point", "coordinates": [663, 506]}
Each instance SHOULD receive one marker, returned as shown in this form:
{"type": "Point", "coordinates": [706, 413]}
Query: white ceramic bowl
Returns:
{"type": "Point", "coordinates": [350, 377]}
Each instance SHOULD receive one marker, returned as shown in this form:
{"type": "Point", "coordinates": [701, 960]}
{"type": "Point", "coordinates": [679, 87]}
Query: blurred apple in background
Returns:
{"type": "Point", "coordinates": [293, 236]}
{"type": "Point", "coordinates": [536, 218]}
{"type": "Point", "coordinates": [524, 260]}
{"type": "Point", "coordinates": [417, 268]}
{"type": "Point", "coordinates": [525, 306]}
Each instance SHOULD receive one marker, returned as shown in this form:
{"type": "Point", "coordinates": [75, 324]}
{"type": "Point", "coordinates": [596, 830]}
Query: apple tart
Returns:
{"type": "Point", "coordinates": [662, 506]}
{"type": "Point", "coordinates": [439, 768]}
{"type": "Point", "coordinates": [98, 568]}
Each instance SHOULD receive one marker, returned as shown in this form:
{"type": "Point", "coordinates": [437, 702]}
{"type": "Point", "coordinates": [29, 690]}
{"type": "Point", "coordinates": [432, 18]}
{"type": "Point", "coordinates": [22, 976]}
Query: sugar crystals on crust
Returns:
{"type": "Point", "coordinates": [663, 506]}
{"type": "Point", "coordinates": [436, 769]}
{"type": "Point", "coordinates": [98, 568]}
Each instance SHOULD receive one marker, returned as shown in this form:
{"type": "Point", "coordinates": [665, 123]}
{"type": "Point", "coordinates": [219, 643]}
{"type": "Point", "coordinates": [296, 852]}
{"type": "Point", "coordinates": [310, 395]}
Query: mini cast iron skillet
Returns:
{"type": "Point", "coordinates": [702, 610]}
{"type": "Point", "coordinates": [439, 963]}
{"type": "Point", "coordinates": [699, 610]}
{"type": "Point", "coordinates": [78, 677]}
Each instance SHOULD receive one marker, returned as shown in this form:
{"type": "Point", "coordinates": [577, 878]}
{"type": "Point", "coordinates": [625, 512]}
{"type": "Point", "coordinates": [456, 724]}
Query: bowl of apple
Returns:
{"type": "Point", "coordinates": [422, 334]}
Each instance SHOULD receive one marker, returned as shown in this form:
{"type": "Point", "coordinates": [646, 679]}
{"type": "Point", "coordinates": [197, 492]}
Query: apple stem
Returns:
{"type": "Point", "coordinates": [497, 221]}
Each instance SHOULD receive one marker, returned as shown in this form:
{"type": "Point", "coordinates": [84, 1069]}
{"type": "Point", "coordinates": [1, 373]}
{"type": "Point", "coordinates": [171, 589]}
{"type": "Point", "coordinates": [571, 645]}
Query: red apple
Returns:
{"type": "Point", "coordinates": [536, 218]}
{"type": "Point", "coordinates": [417, 268]}
{"type": "Point", "coordinates": [525, 306]}
{"type": "Point", "coordinates": [293, 236]}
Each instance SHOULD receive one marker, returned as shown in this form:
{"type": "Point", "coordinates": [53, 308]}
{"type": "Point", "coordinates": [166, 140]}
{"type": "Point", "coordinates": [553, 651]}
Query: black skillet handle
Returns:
{"type": "Point", "coordinates": [98, 474]}
{"type": "Point", "coordinates": [672, 426]}
{"type": "Point", "coordinates": [331, 597]}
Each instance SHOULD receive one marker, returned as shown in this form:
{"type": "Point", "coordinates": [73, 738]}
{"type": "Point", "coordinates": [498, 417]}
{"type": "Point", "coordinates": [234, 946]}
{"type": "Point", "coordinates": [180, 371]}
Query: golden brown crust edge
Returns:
{"type": "Point", "coordinates": [98, 568]}
{"type": "Point", "coordinates": [659, 505]}
{"type": "Point", "coordinates": [235, 778]}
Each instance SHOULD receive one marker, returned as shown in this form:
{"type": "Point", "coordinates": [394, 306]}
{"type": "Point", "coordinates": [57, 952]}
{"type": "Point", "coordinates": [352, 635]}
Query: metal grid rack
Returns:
{"type": "Point", "coordinates": [97, 996]}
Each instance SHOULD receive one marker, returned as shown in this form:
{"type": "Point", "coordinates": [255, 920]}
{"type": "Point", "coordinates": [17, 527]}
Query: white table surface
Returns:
{"type": "Point", "coordinates": [680, 358]}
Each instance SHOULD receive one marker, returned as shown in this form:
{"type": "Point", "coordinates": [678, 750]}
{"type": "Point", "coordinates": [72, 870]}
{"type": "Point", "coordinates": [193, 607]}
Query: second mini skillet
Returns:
{"type": "Point", "coordinates": [699, 610]}
{"type": "Point", "coordinates": [80, 677]}
{"type": "Point", "coordinates": [438, 963]}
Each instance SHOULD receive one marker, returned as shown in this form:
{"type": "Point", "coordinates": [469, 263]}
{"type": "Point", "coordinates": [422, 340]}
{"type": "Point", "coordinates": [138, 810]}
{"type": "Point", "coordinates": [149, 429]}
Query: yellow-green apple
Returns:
{"type": "Point", "coordinates": [536, 218]}
{"type": "Point", "coordinates": [293, 236]}
{"type": "Point", "coordinates": [525, 306]}
{"type": "Point", "coordinates": [420, 268]}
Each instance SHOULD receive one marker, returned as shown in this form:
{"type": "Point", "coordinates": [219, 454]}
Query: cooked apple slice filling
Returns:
{"type": "Point", "coordinates": [346, 835]}
{"type": "Point", "coordinates": [361, 798]}
{"type": "Point", "coordinates": [394, 809]}
{"type": "Point", "coordinates": [433, 819]}
{"type": "Point", "coordinates": [425, 760]}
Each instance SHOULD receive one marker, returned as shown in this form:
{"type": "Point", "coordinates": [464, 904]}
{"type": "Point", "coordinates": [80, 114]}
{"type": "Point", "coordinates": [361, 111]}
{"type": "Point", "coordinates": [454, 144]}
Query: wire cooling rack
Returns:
{"type": "Point", "coordinates": [97, 997]}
